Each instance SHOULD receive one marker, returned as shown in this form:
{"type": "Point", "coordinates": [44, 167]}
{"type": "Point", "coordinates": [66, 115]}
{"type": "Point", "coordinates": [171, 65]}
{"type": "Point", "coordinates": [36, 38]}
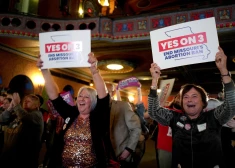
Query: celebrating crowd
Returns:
{"type": "Point", "coordinates": [100, 132]}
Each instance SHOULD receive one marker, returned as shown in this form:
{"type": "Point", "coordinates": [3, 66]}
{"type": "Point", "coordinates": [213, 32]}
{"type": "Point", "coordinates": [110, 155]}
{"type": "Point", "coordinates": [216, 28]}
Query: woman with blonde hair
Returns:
{"type": "Point", "coordinates": [86, 129]}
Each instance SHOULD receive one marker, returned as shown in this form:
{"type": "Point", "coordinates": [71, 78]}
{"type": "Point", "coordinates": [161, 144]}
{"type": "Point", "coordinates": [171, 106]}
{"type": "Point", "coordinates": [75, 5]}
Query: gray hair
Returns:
{"type": "Point", "coordinates": [92, 94]}
{"type": "Point", "coordinates": [212, 103]}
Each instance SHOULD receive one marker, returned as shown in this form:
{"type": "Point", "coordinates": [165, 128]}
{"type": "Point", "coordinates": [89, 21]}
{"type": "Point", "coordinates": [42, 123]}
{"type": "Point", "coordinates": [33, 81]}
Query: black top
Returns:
{"type": "Point", "coordinates": [99, 124]}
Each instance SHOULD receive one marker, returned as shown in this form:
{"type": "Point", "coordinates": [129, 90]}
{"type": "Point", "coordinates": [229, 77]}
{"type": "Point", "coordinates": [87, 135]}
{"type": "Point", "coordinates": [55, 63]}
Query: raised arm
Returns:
{"type": "Point", "coordinates": [139, 95]}
{"type": "Point", "coordinates": [97, 79]}
{"type": "Point", "coordinates": [140, 109]}
{"type": "Point", "coordinates": [226, 111]}
{"type": "Point", "coordinates": [50, 85]}
{"type": "Point", "coordinates": [118, 94]}
{"type": "Point", "coordinates": [156, 112]}
{"type": "Point", "coordinates": [155, 72]}
{"type": "Point", "coordinates": [221, 63]}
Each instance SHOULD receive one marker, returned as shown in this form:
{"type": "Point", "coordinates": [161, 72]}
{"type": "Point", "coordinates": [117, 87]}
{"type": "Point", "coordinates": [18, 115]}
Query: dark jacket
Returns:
{"type": "Point", "coordinates": [197, 142]}
{"type": "Point", "coordinates": [229, 151]}
{"type": "Point", "coordinates": [22, 142]}
{"type": "Point", "coordinates": [99, 124]}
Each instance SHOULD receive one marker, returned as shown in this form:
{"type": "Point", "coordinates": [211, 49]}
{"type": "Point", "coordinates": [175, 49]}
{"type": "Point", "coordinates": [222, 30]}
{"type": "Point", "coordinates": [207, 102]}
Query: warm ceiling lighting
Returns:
{"type": "Point", "coordinates": [131, 98]}
{"type": "Point", "coordinates": [103, 2]}
{"type": "Point", "coordinates": [80, 10]}
{"type": "Point", "coordinates": [114, 66]}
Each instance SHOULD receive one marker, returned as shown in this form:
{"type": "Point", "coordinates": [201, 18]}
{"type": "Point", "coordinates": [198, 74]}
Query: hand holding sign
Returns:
{"type": "Point", "coordinates": [221, 60]}
{"type": "Point", "coordinates": [39, 62]}
{"type": "Point", "coordinates": [65, 49]}
{"type": "Point", "coordinates": [93, 61]}
{"type": "Point", "coordinates": [186, 43]}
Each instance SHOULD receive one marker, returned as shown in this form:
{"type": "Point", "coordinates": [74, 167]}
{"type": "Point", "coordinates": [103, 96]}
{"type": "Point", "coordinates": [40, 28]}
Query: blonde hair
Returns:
{"type": "Point", "coordinates": [92, 94]}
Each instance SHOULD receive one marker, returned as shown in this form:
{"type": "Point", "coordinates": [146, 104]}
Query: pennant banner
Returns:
{"type": "Point", "coordinates": [68, 98]}
{"type": "Point", "coordinates": [129, 82]}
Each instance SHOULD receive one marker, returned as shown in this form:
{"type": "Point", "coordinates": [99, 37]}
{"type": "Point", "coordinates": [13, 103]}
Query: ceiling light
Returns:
{"type": "Point", "coordinates": [80, 10]}
{"type": "Point", "coordinates": [107, 6]}
{"type": "Point", "coordinates": [114, 66]}
{"type": "Point", "coordinates": [103, 2]}
{"type": "Point", "coordinates": [149, 77]}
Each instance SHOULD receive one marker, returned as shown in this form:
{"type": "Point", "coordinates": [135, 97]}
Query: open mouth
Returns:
{"type": "Point", "coordinates": [81, 104]}
{"type": "Point", "coordinates": [191, 106]}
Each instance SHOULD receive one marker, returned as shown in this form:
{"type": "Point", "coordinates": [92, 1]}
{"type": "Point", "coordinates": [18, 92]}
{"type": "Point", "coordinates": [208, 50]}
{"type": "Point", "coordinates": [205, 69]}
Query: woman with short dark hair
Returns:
{"type": "Point", "coordinates": [196, 134]}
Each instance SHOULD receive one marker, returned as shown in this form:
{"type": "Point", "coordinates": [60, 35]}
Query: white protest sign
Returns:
{"type": "Point", "coordinates": [186, 43]}
{"type": "Point", "coordinates": [64, 49]}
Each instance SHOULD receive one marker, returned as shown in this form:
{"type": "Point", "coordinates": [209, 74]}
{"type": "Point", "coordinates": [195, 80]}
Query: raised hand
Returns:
{"type": "Point", "coordinates": [39, 62]}
{"type": "Point", "coordinates": [155, 71]}
{"type": "Point", "coordinates": [15, 99]}
{"type": "Point", "coordinates": [93, 61]}
{"type": "Point", "coordinates": [221, 61]}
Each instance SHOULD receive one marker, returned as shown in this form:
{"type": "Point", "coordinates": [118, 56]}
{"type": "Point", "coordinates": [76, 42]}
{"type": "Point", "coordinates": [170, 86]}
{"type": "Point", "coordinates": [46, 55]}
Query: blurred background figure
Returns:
{"type": "Point", "coordinates": [123, 120]}
{"type": "Point", "coordinates": [2, 97]}
{"type": "Point", "coordinates": [4, 119]}
{"type": "Point", "coordinates": [139, 109]}
{"type": "Point", "coordinates": [227, 140]}
{"type": "Point", "coordinates": [227, 134]}
{"type": "Point", "coordinates": [22, 137]}
{"type": "Point", "coordinates": [164, 138]}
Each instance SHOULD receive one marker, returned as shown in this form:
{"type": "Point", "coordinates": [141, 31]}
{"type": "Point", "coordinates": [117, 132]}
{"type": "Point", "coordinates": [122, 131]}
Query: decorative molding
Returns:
{"type": "Point", "coordinates": [117, 30]}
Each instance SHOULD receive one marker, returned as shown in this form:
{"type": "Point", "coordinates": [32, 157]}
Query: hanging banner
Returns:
{"type": "Point", "coordinates": [64, 49]}
{"type": "Point", "coordinates": [166, 88]}
{"type": "Point", "coordinates": [129, 82]}
{"type": "Point", "coordinates": [186, 43]}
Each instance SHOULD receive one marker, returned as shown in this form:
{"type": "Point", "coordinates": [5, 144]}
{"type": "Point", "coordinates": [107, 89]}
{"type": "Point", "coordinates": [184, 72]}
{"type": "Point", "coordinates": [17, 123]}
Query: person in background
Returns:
{"type": "Point", "coordinates": [22, 137]}
{"type": "Point", "coordinates": [227, 138]}
{"type": "Point", "coordinates": [5, 115]}
{"type": "Point", "coordinates": [2, 97]}
{"type": "Point", "coordinates": [227, 135]}
{"type": "Point", "coordinates": [85, 133]}
{"type": "Point", "coordinates": [125, 129]}
{"type": "Point", "coordinates": [164, 137]}
{"type": "Point", "coordinates": [54, 126]}
{"type": "Point", "coordinates": [4, 119]}
{"type": "Point", "coordinates": [45, 135]}
{"type": "Point", "coordinates": [45, 115]}
{"type": "Point", "coordinates": [139, 109]}
{"type": "Point", "coordinates": [196, 134]}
